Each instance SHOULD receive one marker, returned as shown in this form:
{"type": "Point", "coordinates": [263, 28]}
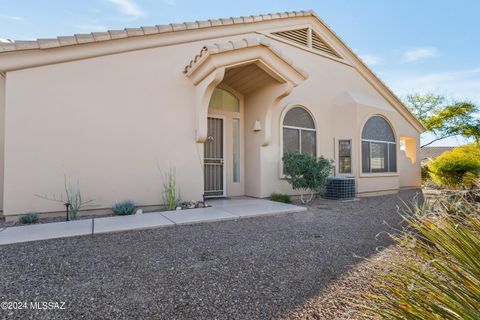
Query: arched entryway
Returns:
{"type": "Point", "coordinates": [238, 84]}
{"type": "Point", "coordinates": [223, 149]}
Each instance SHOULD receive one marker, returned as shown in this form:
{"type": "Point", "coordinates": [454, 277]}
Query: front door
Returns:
{"type": "Point", "coordinates": [214, 159]}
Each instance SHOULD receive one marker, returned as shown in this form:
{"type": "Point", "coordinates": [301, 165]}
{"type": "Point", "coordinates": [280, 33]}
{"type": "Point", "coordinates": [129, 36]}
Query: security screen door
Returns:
{"type": "Point", "coordinates": [213, 159]}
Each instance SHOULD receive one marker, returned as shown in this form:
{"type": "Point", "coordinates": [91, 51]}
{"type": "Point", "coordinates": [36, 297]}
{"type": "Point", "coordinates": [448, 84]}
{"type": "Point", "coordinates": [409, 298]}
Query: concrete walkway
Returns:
{"type": "Point", "coordinates": [221, 209]}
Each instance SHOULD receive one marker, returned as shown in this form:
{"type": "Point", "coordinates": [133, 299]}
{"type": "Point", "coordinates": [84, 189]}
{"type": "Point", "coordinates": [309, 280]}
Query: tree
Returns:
{"type": "Point", "coordinates": [444, 118]}
{"type": "Point", "coordinates": [305, 172]}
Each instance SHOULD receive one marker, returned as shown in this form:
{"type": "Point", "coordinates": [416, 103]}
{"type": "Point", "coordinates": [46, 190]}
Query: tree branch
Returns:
{"type": "Point", "coordinates": [437, 139]}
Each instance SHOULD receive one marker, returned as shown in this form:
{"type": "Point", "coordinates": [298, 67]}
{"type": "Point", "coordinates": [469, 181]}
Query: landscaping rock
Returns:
{"type": "Point", "coordinates": [255, 268]}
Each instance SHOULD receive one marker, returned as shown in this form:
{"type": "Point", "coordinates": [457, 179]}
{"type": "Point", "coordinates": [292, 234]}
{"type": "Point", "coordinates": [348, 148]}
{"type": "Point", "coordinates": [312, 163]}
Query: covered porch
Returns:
{"type": "Point", "coordinates": [238, 85]}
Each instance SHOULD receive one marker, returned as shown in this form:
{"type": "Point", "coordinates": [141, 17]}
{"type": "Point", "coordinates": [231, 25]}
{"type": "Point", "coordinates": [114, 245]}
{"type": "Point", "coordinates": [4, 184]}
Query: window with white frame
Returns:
{"type": "Point", "coordinates": [379, 148]}
{"type": "Point", "coordinates": [299, 134]}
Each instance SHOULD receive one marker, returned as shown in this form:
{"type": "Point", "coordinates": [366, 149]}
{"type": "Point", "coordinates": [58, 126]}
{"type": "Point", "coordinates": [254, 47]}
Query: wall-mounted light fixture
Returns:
{"type": "Point", "coordinates": [257, 126]}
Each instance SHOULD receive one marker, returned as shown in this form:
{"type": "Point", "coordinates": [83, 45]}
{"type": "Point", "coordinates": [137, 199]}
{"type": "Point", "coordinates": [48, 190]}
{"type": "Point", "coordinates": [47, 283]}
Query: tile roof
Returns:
{"type": "Point", "coordinates": [433, 152]}
{"type": "Point", "coordinates": [12, 45]}
{"type": "Point", "coordinates": [239, 44]}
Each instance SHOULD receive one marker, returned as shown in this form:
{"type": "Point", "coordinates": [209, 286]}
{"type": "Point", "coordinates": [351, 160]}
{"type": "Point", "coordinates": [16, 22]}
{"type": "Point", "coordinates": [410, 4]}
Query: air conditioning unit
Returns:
{"type": "Point", "coordinates": [340, 188]}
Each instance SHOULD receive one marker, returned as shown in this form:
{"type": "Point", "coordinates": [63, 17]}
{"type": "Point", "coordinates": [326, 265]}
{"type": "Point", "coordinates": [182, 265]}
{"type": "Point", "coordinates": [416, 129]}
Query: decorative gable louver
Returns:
{"type": "Point", "coordinates": [302, 37]}
{"type": "Point", "coordinates": [320, 45]}
{"type": "Point", "coordinates": [299, 36]}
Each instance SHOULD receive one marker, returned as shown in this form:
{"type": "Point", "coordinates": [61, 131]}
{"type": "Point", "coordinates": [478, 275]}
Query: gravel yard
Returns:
{"type": "Point", "coordinates": [254, 268]}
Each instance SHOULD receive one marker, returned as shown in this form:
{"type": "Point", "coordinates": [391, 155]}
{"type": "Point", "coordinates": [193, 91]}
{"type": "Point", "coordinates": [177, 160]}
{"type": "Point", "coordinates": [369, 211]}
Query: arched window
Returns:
{"type": "Point", "coordinates": [224, 100]}
{"type": "Point", "coordinates": [379, 149]}
{"type": "Point", "coordinates": [299, 133]}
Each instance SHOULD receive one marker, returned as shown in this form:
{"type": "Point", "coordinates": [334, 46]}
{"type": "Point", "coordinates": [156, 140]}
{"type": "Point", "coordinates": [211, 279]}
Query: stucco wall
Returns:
{"type": "Point", "coordinates": [111, 121]}
{"type": "Point", "coordinates": [107, 121]}
{"type": "Point", "coordinates": [340, 100]}
{"type": "Point", "coordinates": [2, 135]}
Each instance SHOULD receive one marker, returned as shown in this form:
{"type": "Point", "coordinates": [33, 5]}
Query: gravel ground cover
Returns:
{"type": "Point", "coordinates": [41, 220]}
{"type": "Point", "coordinates": [342, 298]}
{"type": "Point", "coordinates": [256, 268]}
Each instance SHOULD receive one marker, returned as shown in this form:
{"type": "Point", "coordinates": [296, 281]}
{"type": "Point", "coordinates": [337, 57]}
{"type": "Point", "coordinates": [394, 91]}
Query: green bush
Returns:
{"type": "Point", "coordinates": [438, 276]}
{"type": "Point", "coordinates": [457, 169]}
{"type": "Point", "coordinates": [305, 172]}
{"type": "Point", "coordinates": [280, 197]}
{"type": "Point", "coordinates": [124, 208]}
{"type": "Point", "coordinates": [29, 218]}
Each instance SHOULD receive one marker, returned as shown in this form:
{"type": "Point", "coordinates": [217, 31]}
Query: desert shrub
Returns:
{"type": "Point", "coordinates": [305, 172]}
{"type": "Point", "coordinates": [425, 173]}
{"type": "Point", "coordinates": [458, 168]}
{"type": "Point", "coordinates": [171, 196]}
{"type": "Point", "coordinates": [439, 276]}
{"type": "Point", "coordinates": [73, 198]}
{"type": "Point", "coordinates": [29, 218]}
{"type": "Point", "coordinates": [280, 197]}
{"type": "Point", "coordinates": [124, 208]}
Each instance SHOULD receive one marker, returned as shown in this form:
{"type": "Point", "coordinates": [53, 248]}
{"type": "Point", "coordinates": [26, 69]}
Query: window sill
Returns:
{"type": "Point", "coordinates": [346, 175]}
{"type": "Point", "coordinates": [376, 175]}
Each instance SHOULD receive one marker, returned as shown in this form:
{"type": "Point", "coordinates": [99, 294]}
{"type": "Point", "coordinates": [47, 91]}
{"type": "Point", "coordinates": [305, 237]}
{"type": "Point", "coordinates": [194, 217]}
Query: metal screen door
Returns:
{"type": "Point", "coordinates": [213, 159]}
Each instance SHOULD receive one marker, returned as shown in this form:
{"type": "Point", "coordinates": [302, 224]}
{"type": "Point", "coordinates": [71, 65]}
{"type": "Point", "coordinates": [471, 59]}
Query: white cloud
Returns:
{"type": "Point", "coordinates": [419, 53]}
{"type": "Point", "coordinates": [128, 7]}
{"type": "Point", "coordinates": [15, 18]}
{"type": "Point", "coordinates": [92, 27]}
{"type": "Point", "coordinates": [459, 84]}
{"type": "Point", "coordinates": [371, 59]}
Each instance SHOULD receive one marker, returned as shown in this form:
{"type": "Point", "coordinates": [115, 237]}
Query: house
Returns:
{"type": "Point", "coordinates": [218, 100]}
{"type": "Point", "coordinates": [431, 153]}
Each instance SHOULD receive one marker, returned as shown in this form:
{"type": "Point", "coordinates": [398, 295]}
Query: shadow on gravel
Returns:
{"type": "Point", "coordinates": [253, 268]}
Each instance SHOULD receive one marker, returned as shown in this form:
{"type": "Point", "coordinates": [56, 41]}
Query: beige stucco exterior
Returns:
{"type": "Point", "coordinates": [113, 114]}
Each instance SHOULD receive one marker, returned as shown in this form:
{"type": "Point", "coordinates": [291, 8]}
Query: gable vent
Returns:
{"type": "Point", "coordinates": [320, 45]}
{"type": "Point", "coordinates": [299, 36]}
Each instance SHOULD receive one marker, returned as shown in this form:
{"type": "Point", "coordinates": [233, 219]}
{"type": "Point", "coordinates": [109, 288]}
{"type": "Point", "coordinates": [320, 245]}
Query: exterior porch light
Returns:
{"type": "Point", "coordinates": [257, 126]}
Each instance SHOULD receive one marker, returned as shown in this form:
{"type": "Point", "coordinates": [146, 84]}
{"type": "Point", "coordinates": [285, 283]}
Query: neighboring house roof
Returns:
{"type": "Point", "coordinates": [433, 152]}
{"type": "Point", "coordinates": [11, 47]}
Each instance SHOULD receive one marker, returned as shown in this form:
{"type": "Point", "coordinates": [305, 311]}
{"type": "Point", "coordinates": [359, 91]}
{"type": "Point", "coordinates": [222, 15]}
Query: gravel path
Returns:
{"type": "Point", "coordinates": [257, 268]}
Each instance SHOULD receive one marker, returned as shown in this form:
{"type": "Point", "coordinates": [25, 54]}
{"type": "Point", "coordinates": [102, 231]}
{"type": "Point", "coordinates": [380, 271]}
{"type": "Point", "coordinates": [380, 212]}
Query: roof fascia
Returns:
{"type": "Point", "coordinates": [22, 59]}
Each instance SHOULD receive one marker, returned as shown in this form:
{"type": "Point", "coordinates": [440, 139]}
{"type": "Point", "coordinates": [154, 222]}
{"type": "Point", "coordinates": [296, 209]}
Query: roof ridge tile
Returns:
{"type": "Point", "coordinates": [78, 39]}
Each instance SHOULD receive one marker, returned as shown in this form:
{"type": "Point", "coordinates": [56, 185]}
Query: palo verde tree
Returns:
{"type": "Point", "coordinates": [444, 118]}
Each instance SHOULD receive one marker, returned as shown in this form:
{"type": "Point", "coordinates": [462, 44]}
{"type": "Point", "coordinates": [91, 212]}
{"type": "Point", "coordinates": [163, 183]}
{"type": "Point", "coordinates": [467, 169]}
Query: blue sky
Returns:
{"type": "Point", "coordinates": [414, 46]}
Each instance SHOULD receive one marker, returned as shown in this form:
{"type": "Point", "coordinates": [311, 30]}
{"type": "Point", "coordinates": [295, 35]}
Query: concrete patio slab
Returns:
{"type": "Point", "coordinates": [133, 222]}
{"type": "Point", "coordinates": [235, 201]}
{"type": "Point", "coordinates": [269, 208]}
{"type": "Point", "coordinates": [46, 231]}
{"type": "Point", "coordinates": [210, 214]}
{"type": "Point", "coordinates": [221, 209]}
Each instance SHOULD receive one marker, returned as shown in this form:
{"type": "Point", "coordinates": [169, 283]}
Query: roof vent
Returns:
{"type": "Point", "coordinates": [302, 36]}
{"type": "Point", "coordinates": [320, 45]}
{"type": "Point", "coordinates": [299, 36]}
